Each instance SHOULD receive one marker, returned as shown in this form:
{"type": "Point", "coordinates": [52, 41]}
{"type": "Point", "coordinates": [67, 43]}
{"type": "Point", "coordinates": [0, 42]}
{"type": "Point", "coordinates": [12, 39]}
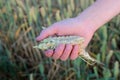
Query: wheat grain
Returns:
{"type": "Point", "coordinates": [53, 42]}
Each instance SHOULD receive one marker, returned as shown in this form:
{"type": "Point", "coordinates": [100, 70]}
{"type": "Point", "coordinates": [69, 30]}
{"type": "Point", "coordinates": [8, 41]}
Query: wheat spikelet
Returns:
{"type": "Point", "coordinates": [53, 42]}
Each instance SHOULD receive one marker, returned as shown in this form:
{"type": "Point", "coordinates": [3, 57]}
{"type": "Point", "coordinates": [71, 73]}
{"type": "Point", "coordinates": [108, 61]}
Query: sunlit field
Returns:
{"type": "Point", "coordinates": [21, 22]}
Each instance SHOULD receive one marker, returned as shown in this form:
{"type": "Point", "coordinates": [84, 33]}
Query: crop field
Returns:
{"type": "Point", "coordinates": [21, 22]}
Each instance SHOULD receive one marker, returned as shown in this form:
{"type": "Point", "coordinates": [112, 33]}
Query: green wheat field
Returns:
{"type": "Point", "coordinates": [21, 22]}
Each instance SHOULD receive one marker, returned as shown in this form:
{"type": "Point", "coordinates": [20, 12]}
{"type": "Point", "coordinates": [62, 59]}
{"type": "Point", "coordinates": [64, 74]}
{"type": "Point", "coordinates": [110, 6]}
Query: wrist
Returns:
{"type": "Point", "coordinates": [87, 24]}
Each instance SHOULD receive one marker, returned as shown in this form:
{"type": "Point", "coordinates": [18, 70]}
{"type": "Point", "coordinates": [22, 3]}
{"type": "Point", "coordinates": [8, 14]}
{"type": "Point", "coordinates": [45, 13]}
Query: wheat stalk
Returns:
{"type": "Point", "coordinates": [53, 42]}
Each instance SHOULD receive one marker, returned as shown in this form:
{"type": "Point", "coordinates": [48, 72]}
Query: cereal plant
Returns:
{"type": "Point", "coordinates": [22, 20]}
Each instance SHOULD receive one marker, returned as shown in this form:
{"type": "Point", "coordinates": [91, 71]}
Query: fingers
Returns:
{"type": "Point", "coordinates": [74, 53]}
{"type": "Point", "coordinates": [48, 53]}
{"type": "Point", "coordinates": [63, 52]}
{"type": "Point", "coordinates": [58, 51]}
{"type": "Point", "coordinates": [66, 52]}
{"type": "Point", "coordinates": [46, 32]}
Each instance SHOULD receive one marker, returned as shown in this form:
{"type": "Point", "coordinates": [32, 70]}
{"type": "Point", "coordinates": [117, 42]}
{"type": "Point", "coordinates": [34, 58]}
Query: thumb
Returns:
{"type": "Point", "coordinates": [46, 32]}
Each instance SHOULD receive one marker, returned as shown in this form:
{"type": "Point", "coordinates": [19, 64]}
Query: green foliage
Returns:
{"type": "Point", "coordinates": [20, 23]}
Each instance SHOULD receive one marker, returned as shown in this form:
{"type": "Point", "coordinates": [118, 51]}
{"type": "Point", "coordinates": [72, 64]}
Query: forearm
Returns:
{"type": "Point", "coordinates": [100, 12]}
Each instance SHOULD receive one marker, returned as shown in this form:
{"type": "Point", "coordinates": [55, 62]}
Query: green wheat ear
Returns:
{"type": "Point", "coordinates": [53, 42]}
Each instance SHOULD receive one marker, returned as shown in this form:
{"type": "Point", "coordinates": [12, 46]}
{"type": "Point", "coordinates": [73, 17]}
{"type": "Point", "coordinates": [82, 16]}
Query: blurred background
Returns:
{"type": "Point", "coordinates": [22, 20]}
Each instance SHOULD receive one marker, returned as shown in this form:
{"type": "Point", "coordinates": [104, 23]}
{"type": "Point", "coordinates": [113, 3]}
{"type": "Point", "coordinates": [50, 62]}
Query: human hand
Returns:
{"type": "Point", "coordinates": [72, 26]}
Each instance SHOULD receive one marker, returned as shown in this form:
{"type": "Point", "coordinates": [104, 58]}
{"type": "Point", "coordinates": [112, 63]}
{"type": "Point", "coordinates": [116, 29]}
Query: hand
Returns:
{"type": "Point", "coordinates": [72, 26]}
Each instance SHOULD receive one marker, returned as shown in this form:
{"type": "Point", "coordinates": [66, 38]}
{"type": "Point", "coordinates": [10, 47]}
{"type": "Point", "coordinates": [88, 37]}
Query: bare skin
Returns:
{"type": "Point", "coordinates": [84, 25]}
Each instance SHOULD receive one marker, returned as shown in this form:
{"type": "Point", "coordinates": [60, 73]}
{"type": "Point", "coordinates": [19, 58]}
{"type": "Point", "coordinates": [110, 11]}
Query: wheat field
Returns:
{"type": "Point", "coordinates": [21, 22]}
